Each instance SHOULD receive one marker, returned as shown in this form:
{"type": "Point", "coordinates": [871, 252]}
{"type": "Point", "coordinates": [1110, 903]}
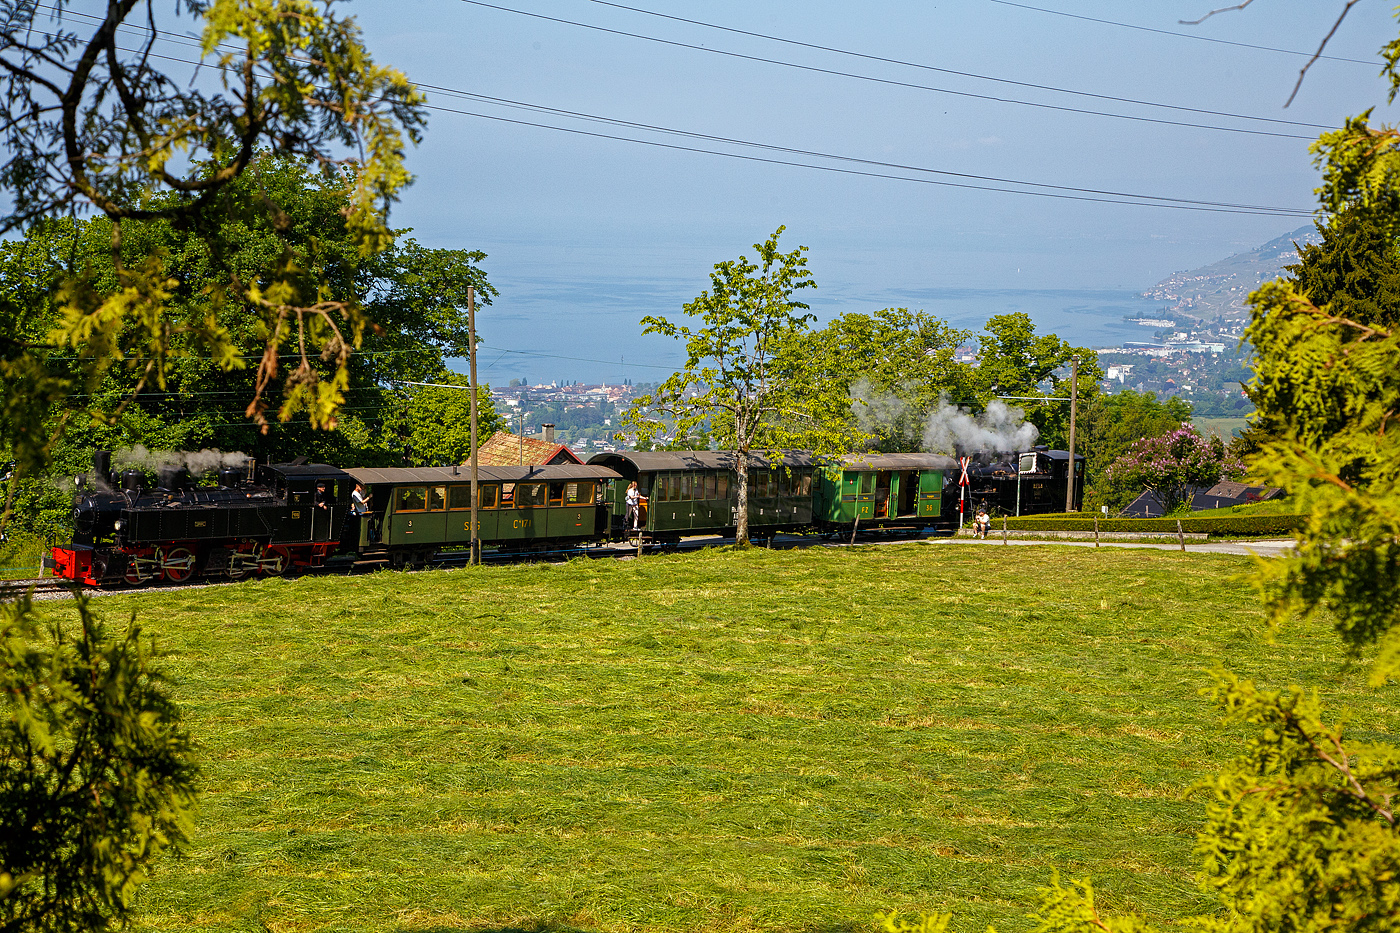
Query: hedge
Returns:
{"type": "Point", "coordinates": [1217, 525]}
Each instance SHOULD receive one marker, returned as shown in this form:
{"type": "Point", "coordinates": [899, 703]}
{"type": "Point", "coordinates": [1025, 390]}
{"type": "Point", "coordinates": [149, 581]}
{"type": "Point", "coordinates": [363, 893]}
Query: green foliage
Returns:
{"type": "Point", "coordinates": [437, 422]}
{"type": "Point", "coordinates": [1072, 908]}
{"type": "Point", "coordinates": [731, 385]}
{"type": "Point", "coordinates": [892, 922]}
{"type": "Point", "coordinates": [90, 122]}
{"type": "Point", "coordinates": [96, 771]}
{"type": "Point", "coordinates": [417, 296]}
{"type": "Point", "coordinates": [1355, 270]}
{"type": "Point", "coordinates": [893, 367]}
{"type": "Point", "coordinates": [1300, 832]}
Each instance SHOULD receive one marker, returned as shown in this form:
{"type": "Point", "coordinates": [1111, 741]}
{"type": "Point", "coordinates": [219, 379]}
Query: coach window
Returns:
{"type": "Point", "coordinates": [556, 493]}
{"type": "Point", "coordinates": [437, 498]}
{"type": "Point", "coordinates": [784, 483]}
{"type": "Point", "coordinates": [490, 496]}
{"type": "Point", "coordinates": [459, 497]}
{"type": "Point", "coordinates": [686, 486]}
{"type": "Point", "coordinates": [722, 486]}
{"type": "Point", "coordinates": [529, 495]}
{"type": "Point", "coordinates": [710, 486]}
{"type": "Point", "coordinates": [579, 493]}
{"type": "Point", "coordinates": [805, 489]}
{"type": "Point", "coordinates": [671, 486]}
{"type": "Point", "coordinates": [411, 499]}
{"type": "Point", "coordinates": [867, 484]}
{"type": "Point", "coordinates": [507, 495]}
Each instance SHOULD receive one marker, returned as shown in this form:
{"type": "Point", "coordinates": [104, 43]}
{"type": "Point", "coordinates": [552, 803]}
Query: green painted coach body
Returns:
{"type": "Point", "coordinates": [429, 508]}
{"type": "Point", "coordinates": [695, 492]}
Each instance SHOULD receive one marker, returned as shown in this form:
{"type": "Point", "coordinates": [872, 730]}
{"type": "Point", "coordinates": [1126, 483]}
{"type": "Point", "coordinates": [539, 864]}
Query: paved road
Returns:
{"type": "Point", "coordinates": [1263, 548]}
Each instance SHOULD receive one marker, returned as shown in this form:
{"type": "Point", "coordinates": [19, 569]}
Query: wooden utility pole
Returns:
{"type": "Point", "coordinates": [1073, 411]}
{"type": "Point", "coordinates": [471, 326]}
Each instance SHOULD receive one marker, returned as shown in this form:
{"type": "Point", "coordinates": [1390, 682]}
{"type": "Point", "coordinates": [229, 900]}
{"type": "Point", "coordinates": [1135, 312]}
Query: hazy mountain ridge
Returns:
{"type": "Point", "coordinates": [1218, 291]}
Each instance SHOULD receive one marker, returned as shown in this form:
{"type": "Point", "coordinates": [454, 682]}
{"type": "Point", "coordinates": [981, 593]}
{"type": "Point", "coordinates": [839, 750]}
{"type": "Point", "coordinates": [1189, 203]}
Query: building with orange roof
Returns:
{"type": "Point", "coordinates": [506, 449]}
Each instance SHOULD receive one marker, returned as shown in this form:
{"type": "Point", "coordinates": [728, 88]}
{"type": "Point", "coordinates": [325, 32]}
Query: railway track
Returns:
{"type": "Point", "coordinates": [9, 589]}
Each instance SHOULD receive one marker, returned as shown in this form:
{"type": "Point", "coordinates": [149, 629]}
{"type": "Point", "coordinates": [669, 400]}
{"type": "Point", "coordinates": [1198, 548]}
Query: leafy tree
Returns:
{"type": "Point", "coordinates": [96, 771]}
{"type": "Point", "coordinates": [892, 368]}
{"type": "Point", "coordinates": [86, 122]}
{"type": "Point", "coordinates": [436, 422]}
{"type": "Point", "coordinates": [1108, 425]}
{"type": "Point", "coordinates": [730, 381]}
{"type": "Point", "coordinates": [1015, 361]}
{"type": "Point", "coordinates": [1301, 831]}
{"type": "Point", "coordinates": [1169, 464]}
{"type": "Point", "coordinates": [416, 295]}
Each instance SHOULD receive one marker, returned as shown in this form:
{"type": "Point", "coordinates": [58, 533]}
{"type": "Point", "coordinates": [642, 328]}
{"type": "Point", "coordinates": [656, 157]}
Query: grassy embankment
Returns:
{"type": "Point", "coordinates": [768, 741]}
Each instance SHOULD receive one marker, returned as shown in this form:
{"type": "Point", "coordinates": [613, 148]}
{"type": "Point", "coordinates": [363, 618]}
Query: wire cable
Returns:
{"type": "Point", "coordinates": [1181, 35]}
{"type": "Point", "coordinates": [826, 155]}
{"type": "Point", "coordinates": [1164, 203]}
{"type": "Point", "coordinates": [961, 74]}
{"type": "Point", "coordinates": [1053, 191]}
{"type": "Point", "coordinates": [887, 81]}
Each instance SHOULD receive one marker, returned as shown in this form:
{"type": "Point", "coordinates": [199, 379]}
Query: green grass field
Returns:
{"type": "Point", "coordinates": [709, 742]}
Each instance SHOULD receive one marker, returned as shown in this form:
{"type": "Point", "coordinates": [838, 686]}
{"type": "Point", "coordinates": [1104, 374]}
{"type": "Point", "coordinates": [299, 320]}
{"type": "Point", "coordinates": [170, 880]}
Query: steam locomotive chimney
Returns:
{"type": "Point", "coordinates": [101, 466]}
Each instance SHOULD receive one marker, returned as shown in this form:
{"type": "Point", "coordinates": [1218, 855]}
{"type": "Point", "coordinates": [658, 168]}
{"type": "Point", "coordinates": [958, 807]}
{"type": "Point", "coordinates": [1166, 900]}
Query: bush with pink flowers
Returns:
{"type": "Point", "coordinates": [1170, 464]}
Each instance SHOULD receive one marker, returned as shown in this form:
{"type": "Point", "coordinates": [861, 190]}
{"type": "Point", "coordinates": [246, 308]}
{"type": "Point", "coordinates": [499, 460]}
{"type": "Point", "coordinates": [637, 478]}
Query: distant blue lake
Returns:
{"type": "Point", "coordinates": [553, 331]}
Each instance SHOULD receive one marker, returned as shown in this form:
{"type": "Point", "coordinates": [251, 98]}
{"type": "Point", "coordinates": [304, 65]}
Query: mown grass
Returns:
{"type": "Point", "coordinates": [711, 742]}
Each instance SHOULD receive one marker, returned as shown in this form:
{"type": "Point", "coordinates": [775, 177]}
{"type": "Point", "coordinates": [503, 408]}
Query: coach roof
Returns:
{"type": "Point", "coordinates": [899, 462]}
{"type": "Point", "coordinates": [403, 476]}
{"type": "Point", "coordinates": [652, 461]}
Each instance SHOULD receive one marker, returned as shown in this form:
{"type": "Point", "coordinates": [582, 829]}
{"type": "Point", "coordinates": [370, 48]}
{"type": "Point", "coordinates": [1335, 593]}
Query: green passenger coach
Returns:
{"type": "Point", "coordinates": [414, 512]}
{"type": "Point", "coordinates": [696, 492]}
{"type": "Point", "coordinates": [882, 491]}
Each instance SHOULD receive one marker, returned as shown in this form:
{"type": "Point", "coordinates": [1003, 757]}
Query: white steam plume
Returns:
{"type": "Point", "coordinates": [196, 461]}
{"type": "Point", "coordinates": [953, 430]}
{"type": "Point", "coordinates": [876, 411]}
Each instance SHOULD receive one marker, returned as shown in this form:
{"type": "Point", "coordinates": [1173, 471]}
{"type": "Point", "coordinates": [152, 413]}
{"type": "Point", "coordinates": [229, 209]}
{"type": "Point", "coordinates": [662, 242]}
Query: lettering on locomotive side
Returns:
{"type": "Point", "coordinates": [296, 515]}
{"type": "Point", "coordinates": [522, 522]}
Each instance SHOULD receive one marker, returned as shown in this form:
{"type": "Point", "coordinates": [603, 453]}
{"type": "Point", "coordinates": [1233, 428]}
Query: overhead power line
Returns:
{"type": "Point", "coordinates": [962, 74]}
{"type": "Point", "coordinates": [1182, 35]}
{"type": "Point", "coordinates": [1056, 191]}
{"type": "Point", "coordinates": [1063, 192]}
{"type": "Point", "coordinates": [891, 82]}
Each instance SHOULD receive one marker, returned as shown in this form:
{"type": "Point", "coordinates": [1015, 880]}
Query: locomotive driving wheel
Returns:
{"type": "Point", "coordinates": [178, 564]}
{"type": "Point", "coordinates": [136, 574]}
{"type": "Point", "coordinates": [275, 561]}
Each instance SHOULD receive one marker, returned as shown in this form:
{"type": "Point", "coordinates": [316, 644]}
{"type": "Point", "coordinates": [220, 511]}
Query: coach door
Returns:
{"type": "Point", "coordinates": [930, 493]}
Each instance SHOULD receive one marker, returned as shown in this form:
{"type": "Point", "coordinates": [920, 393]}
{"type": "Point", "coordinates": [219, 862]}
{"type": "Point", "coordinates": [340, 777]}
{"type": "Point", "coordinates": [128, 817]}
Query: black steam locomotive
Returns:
{"type": "Point", "coordinates": [258, 519]}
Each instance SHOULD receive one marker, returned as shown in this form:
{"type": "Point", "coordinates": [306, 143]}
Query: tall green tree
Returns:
{"type": "Point", "coordinates": [891, 368]}
{"type": "Point", "coordinates": [1301, 831]}
{"type": "Point", "coordinates": [730, 381]}
{"type": "Point", "coordinates": [436, 422]}
{"type": "Point", "coordinates": [417, 296]}
{"type": "Point", "coordinates": [85, 120]}
{"type": "Point", "coordinates": [1016, 361]}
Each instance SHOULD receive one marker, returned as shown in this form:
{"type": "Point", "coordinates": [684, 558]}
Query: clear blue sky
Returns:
{"type": "Point", "coordinates": [585, 235]}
